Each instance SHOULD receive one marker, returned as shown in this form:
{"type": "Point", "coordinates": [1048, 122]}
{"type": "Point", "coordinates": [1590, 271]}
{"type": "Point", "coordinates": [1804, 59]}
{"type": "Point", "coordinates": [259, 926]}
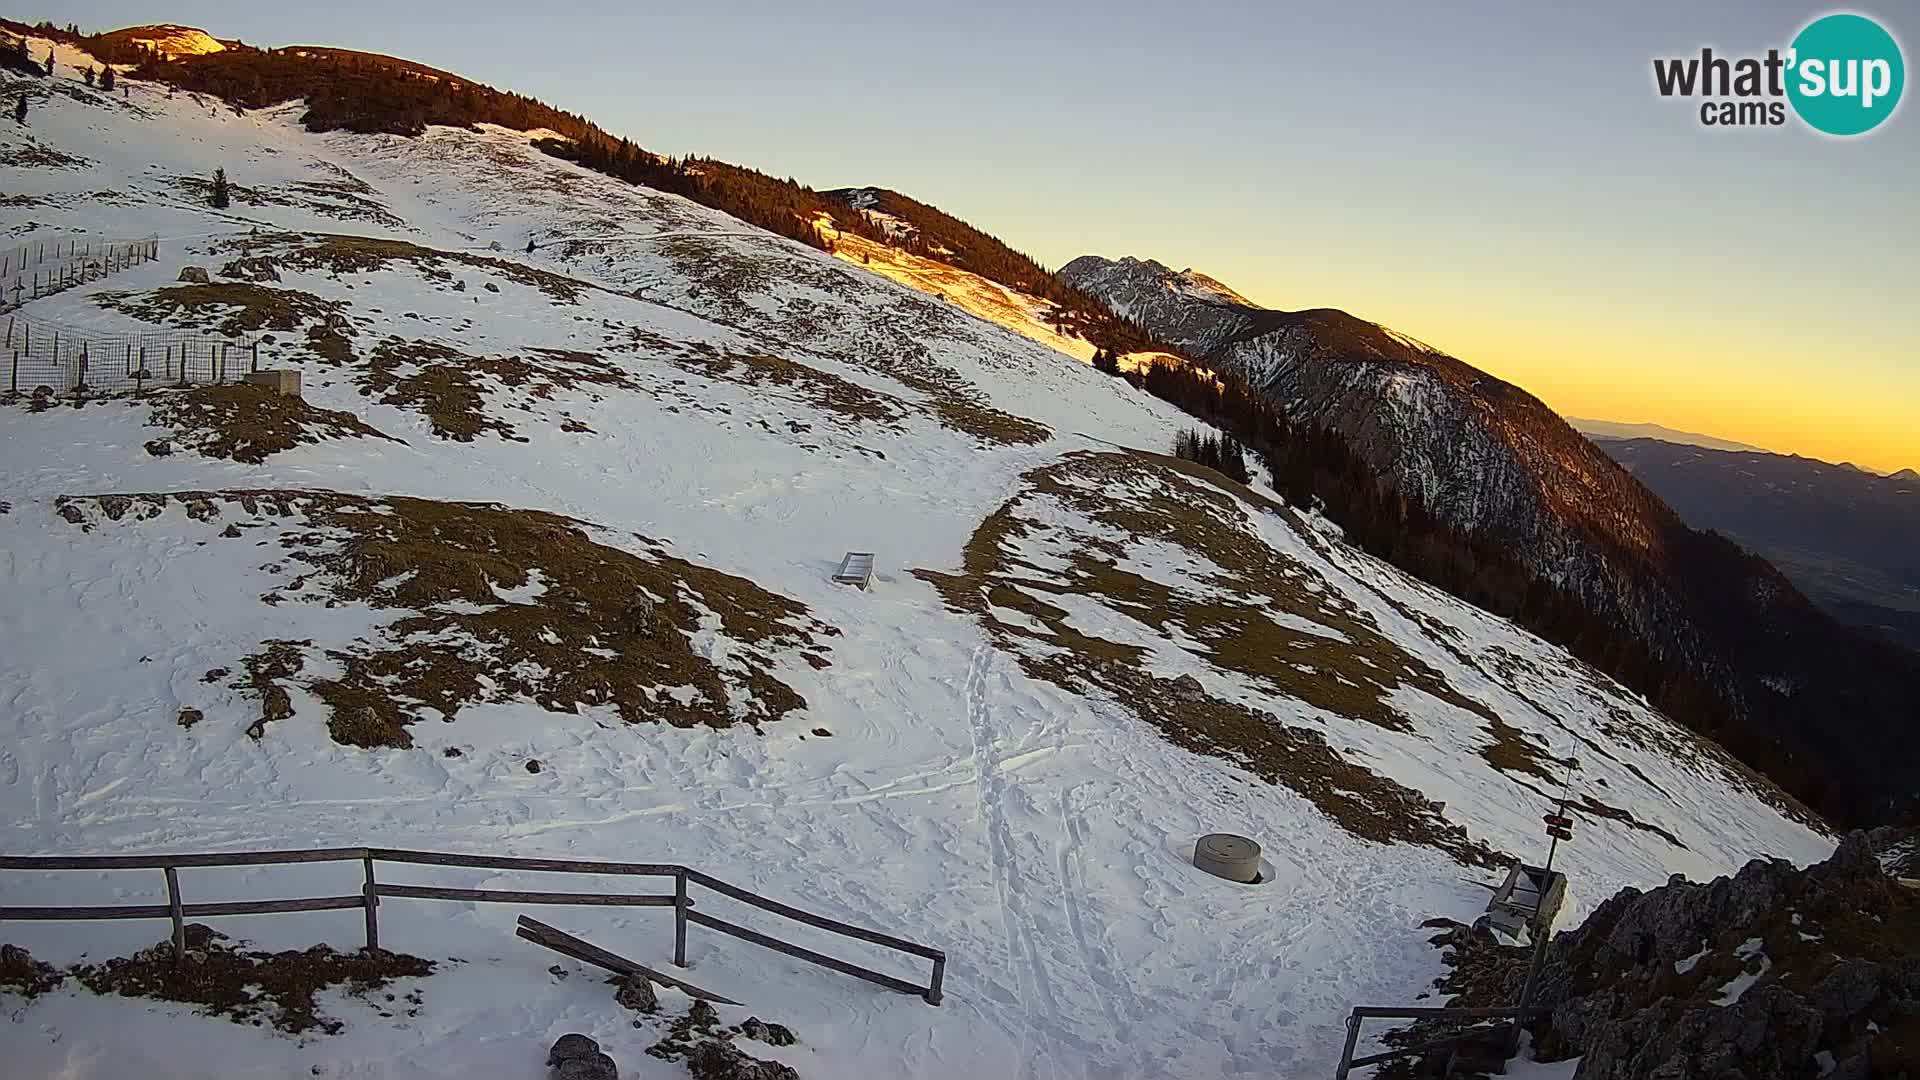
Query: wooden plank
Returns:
{"type": "Point", "coordinates": [1463, 1013]}
{"type": "Point", "coordinates": [268, 907]}
{"type": "Point", "coordinates": [566, 944]}
{"type": "Point", "coordinates": [370, 900]}
{"type": "Point", "coordinates": [680, 905]}
{"type": "Point", "coordinates": [511, 896]}
{"type": "Point", "coordinates": [77, 914]}
{"type": "Point", "coordinates": [821, 921]}
{"type": "Point", "coordinates": [178, 915]}
{"type": "Point", "coordinates": [501, 862]}
{"type": "Point", "coordinates": [799, 953]}
{"type": "Point", "coordinates": [161, 862]}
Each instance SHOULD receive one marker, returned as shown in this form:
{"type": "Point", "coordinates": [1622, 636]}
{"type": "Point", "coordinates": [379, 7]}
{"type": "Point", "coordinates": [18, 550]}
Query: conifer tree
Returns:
{"type": "Point", "coordinates": [90, 76]}
{"type": "Point", "coordinates": [106, 78]}
{"type": "Point", "coordinates": [220, 194]}
{"type": "Point", "coordinates": [49, 59]}
{"type": "Point", "coordinates": [20, 110]}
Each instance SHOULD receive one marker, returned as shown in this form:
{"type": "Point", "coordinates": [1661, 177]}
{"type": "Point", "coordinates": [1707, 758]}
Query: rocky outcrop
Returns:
{"type": "Point", "coordinates": [578, 1057]}
{"type": "Point", "coordinates": [1772, 974]}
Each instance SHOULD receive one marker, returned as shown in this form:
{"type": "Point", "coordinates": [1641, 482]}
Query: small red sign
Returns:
{"type": "Point", "coordinates": [1559, 833]}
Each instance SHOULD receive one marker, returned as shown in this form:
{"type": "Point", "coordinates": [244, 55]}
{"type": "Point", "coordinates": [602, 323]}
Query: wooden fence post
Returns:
{"type": "Point", "coordinates": [179, 924]}
{"type": "Point", "coordinates": [680, 917]}
{"type": "Point", "coordinates": [256, 356]}
{"type": "Point", "coordinates": [13, 384]}
{"type": "Point", "coordinates": [371, 896]}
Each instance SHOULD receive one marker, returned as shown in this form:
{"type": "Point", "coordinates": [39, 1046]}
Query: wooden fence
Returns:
{"type": "Point", "coordinates": [372, 889]}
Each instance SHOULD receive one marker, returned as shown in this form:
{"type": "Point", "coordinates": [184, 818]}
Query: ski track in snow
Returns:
{"type": "Point", "coordinates": [1041, 837]}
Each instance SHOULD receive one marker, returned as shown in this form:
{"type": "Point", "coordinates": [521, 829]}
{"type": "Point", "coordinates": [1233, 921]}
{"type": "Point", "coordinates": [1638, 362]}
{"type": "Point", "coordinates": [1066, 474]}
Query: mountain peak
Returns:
{"type": "Point", "coordinates": [1189, 283]}
{"type": "Point", "coordinates": [170, 39]}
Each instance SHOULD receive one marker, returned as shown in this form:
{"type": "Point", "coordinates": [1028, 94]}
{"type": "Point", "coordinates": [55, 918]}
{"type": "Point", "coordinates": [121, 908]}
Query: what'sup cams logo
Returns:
{"type": "Point", "coordinates": [1842, 76]}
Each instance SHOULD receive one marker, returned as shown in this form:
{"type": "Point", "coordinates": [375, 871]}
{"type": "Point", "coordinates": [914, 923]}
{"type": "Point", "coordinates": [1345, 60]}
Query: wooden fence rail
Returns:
{"type": "Point", "coordinates": [372, 890]}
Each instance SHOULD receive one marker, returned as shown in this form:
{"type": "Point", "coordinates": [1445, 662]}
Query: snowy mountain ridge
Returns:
{"type": "Point", "coordinates": [1718, 637]}
{"type": "Point", "coordinates": [539, 565]}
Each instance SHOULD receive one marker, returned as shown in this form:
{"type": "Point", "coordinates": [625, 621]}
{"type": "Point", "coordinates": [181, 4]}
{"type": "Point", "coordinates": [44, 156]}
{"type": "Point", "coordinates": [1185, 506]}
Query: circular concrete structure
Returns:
{"type": "Point", "coordinates": [1235, 858]}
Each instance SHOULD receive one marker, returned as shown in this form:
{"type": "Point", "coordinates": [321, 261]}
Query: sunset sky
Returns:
{"type": "Point", "coordinates": [1499, 180]}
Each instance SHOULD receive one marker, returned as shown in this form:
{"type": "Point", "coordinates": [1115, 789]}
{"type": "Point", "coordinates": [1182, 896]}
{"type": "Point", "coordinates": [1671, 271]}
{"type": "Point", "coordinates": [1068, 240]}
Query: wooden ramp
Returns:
{"type": "Point", "coordinates": [567, 945]}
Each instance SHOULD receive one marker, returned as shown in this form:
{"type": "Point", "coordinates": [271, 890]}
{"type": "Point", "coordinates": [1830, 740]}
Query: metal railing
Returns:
{"type": "Point", "coordinates": [1364, 1012]}
{"type": "Point", "coordinates": [372, 890]}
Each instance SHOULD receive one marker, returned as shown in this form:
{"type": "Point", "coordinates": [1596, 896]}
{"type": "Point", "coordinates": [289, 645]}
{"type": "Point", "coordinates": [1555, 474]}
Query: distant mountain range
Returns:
{"type": "Point", "coordinates": [1614, 429]}
{"type": "Point", "coordinates": [1731, 645]}
{"type": "Point", "coordinates": [1850, 539]}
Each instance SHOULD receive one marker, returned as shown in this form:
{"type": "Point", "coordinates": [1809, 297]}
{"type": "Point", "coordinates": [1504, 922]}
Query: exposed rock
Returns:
{"type": "Point", "coordinates": [594, 1066]}
{"type": "Point", "coordinates": [570, 1046]}
{"type": "Point", "coordinates": [636, 994]}
{"type": "Point", "coordinates": [1768, 975]}
{"type": "Point", "coordinates": [771, 1034]}
{"type": "Point", "coordinates": [21, 974]}
{"type": "Point", "coordinates": [716, 1060]}
{"type": "Point", "coordinates": [195, 274]}
{"type": "Point", "coordinates": [1848, 989]}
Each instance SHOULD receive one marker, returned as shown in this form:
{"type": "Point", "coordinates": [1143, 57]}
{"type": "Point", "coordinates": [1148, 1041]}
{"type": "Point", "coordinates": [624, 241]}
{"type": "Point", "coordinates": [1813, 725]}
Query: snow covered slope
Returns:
{"type": "Point", "coordinates": [580, 507]}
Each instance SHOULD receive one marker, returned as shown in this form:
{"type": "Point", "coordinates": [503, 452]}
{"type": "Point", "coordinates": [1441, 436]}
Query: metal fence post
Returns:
{"type": "Point", "coordinates": [372, 898]}
{"type": "Point", "coordinates": [680, 917]}
{"type": "Point", "coordinates": [1346, 1055]}
{"type": "Point", "coordinates": [939, 977]}
{"type": "Point", "coordinates": [179, 924]}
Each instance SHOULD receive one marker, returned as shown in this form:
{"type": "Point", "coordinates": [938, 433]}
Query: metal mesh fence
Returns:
{"type": "Point", "coordinates": [66, 360]}
{"type": "Point", "coordinates": [34, 268]}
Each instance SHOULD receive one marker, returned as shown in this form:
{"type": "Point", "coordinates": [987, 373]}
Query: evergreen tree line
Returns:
{"type": "Point", "coordinates": [785, 207]}
{"type": "Point", "coordinates": [369, 94]}
{"type": "Point", "coordinates": [361, 92]}
{"type": "Point", "coordinates": [940, 236]}
{"type": "Point", "coordinates": [1219, 453]}
{"type": "Point", "coordinates": [15, 56]}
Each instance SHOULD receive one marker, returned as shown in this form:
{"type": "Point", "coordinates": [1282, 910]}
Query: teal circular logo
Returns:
{"type": "Point", "coordinates": [1846, 74]}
